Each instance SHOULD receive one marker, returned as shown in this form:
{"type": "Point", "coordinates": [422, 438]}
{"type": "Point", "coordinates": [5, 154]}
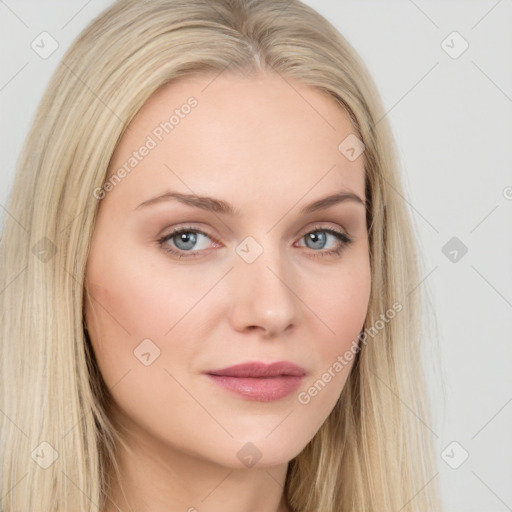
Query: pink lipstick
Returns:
{"type": "Point", "coordinates": [259, 381]}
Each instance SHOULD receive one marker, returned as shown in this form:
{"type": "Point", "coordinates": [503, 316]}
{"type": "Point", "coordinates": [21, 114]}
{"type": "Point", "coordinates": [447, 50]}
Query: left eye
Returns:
{"type": "Point", "coordinates": [317, 239]}
{"type": "Point", "coordinates": [186, 239]}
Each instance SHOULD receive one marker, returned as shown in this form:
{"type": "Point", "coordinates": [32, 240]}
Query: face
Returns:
{"type": "Point", "coordinates": [236, 261]}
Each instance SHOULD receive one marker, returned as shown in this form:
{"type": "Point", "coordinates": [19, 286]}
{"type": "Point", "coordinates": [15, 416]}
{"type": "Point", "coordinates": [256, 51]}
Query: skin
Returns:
{"type": "Point", "coordinates": [268, 150]}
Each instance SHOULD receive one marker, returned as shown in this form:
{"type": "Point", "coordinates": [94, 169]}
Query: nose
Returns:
{"type": "Point", "coordinates": [263, 296]}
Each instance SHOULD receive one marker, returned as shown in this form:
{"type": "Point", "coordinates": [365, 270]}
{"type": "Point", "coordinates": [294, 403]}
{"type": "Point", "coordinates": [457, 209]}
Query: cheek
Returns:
{"type": "Point", "coordinates": [341, 307]}
{"type": "Point", "coordinates": [137, 299]}
{"type": "Point", "coordinates": [125, 306]}
{"type": "Point", "coordinates": [344, 303]}
{"type": "Point", "coordinates": [341, 310]}
{"type": "Point", "coordinates": [347, 306]}
{"type": "Point", "coordinates": [133, 300]}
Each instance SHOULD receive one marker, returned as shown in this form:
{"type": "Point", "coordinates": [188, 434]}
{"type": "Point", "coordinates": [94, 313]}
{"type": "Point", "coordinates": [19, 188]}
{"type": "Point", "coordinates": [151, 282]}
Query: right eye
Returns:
{"type": "Point", "coordinates": [183, 241]}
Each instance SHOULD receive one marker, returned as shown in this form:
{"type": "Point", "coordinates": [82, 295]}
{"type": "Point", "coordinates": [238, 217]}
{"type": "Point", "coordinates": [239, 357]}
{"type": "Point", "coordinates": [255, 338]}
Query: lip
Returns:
{"type": "Point", "coordinates": [259, 381]}
{"type": "Point", "coordinates": [258, 369]}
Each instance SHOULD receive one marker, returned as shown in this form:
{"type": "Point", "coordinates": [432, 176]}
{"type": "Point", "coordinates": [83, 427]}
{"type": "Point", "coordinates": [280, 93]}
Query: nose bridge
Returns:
{"type": "Point", "coordinates": [263, 288]}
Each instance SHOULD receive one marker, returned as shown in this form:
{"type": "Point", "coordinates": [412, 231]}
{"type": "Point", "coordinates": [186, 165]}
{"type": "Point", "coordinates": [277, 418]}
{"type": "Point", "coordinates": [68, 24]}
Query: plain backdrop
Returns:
{"type": "Point", "coordinates": [444, 72]}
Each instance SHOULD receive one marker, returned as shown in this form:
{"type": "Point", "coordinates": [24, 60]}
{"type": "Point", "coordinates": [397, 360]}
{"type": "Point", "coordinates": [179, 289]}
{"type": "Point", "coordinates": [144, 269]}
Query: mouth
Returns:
{"type": "Point", "coordinates": [259, 381]}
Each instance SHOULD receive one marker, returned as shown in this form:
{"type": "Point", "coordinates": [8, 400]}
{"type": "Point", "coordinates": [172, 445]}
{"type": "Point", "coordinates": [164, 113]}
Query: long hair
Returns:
{"type": "Point", "coordinates": [373, 452]}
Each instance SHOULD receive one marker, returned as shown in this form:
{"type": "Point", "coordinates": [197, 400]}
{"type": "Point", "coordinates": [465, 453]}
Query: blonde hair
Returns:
{"type": "Point", "coordinates": [372, 453]}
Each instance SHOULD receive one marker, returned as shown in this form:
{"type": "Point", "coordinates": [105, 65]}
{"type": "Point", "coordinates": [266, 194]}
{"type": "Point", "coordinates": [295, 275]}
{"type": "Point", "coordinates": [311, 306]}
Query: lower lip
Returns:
{"type": "Point", "coordinates": [262, 389]}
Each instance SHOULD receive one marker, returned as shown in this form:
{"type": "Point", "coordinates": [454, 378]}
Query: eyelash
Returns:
{"type": "Point", "coordinates": [342, 237]}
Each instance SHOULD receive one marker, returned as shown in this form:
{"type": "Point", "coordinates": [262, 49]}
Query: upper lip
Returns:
{"type": "Point", "coordinates": [258, 369]}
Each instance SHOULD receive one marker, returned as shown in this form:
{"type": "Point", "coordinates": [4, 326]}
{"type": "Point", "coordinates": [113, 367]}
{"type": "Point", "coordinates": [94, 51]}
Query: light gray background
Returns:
{"type": "Point", "coordinates": [452, 121]}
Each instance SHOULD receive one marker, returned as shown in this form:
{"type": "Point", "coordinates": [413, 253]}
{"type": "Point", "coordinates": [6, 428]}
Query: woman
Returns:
{"type": "Point", "coordinates": [211, 308]}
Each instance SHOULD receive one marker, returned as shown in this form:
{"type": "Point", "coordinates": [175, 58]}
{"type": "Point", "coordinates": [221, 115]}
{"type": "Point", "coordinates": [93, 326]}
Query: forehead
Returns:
{"type": "Point", "coordinates": [209, 132]}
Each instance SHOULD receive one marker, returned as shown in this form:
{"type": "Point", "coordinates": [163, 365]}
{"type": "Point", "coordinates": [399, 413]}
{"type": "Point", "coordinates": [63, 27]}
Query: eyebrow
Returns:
{"type": "Point", "coordinates": [223, 207]}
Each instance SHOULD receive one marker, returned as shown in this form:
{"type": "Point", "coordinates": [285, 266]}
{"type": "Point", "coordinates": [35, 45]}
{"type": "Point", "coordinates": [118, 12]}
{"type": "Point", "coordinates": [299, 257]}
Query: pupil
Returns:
{"type": "Point", "coordinates": [318, 240]}
{"type": "Point", "coordinates": [186, 241]}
